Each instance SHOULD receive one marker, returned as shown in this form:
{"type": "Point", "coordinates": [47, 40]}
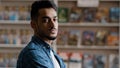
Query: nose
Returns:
{"type": "Point", "coordinates": [52, 23]}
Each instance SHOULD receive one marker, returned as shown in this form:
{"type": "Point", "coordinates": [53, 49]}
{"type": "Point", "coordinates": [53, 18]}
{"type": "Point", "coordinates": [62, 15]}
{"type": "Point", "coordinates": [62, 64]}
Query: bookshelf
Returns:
{"type": "Point", "coordinates": [6, 49]}
{"type": "Point", "coordinates": [105, 50]}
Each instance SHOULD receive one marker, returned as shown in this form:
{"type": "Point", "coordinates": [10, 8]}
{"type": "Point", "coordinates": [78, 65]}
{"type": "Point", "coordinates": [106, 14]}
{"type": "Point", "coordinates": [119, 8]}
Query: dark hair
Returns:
{"type": "Point", "coordinates": [37, 5]}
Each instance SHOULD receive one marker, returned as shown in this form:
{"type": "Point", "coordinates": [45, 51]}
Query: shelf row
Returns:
{"type": "Point", "coordinates": [77, 0]}
{"type": "Point", "coordinates": [89, 49]}
{"type": "Point", "coordinates": [63, 47]}
{"type": "Point", "coordinates": [58, 0]}
{"type": "Point", "coordinates": [61, 24]}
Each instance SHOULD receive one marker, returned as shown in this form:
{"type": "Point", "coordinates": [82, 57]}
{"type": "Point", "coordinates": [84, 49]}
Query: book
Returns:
{"type": "Point", "coordinates": [113, 61]}
{"type": "Point", "coordinates": [28, 12]}
{"type": "Point", "coordinates": [101, 37]}
{"type": "Point", "coordinates": [88, 37]}
{"type": "Point", "coordinates": [1, 12]}
{"type": "Point", "coordinates": [23, 13]}
{"type": "Point", "coordinates": [88, 60]}
{"type": "Point", "coordinates": [12, 58]}
{"type": "Point", "coordinates": [5, 36]}
{"type": "Point", "coordinates": [75, 15]}
{"type": "Point", "coordinates": [6, 13]}
{"type": "Point", "coordinates": [73, 37]}
{"type": "Point", "coordinates": [62, 15]}
{"type": "Point", "coordinates": [102, 15]}
{"type": "Point", "coordinates": [114, 14]}
{"type": "Point", "coordinates": [2, 41]}
{"type": "Point", "coordinates": [62, 38]}
{"type": "Point", "coordinates": [25, 36]}
{"type": "Point", "coordinates": [75, 60]}
{"type": "Point", "coordinates": [13, 13]}
{"type": "Point", "coordinates": [22, 36]}
{"type": "Point", "coordinates": [65, 56]}
{"type": "Point", "coordinates": [89, 14]}
{"type": "Point", "coordinates": [15, 37]}
{"type": "Point", "coordinates": [100, 61]}
{"type": "Point", "coordinates": [113, 38]}
{"type": "Point", "coordinates": [2, 64]}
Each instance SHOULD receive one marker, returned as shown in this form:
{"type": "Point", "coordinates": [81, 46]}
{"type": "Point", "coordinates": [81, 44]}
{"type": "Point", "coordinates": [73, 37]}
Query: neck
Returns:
{"type": "Point", "coordinates": [45, 39]}
{"type": "Point", "coordinates": [49, 42]}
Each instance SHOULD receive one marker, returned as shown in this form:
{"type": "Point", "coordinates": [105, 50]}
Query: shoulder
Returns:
{"type": "Point", "coordinates": [33, 51]}
{"type": "Point", "coordinates": [34, 55]}
{"type": "Point", "coordinates": [33, 48]}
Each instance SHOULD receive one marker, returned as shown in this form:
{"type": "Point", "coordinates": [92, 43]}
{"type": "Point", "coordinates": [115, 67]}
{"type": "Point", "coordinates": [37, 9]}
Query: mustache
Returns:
{"type": "Point", "coordinates": [52, 28]}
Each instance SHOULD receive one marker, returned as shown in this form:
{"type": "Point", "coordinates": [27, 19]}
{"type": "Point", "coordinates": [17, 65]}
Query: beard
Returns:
{"type": "Point", "coordinates": [51, 38]}
{"type": "Point", "coordinates": [43, 35]}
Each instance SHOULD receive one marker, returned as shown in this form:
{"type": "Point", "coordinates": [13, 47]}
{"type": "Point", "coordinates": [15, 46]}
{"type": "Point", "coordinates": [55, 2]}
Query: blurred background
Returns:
{"type": "Point", "coordinates": [88, 37]}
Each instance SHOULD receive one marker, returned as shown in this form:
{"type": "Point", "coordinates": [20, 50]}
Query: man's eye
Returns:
{"type": "Point", "coordinates": [55, 19]}
{"type": "Point", "coordinates": [45, 20]}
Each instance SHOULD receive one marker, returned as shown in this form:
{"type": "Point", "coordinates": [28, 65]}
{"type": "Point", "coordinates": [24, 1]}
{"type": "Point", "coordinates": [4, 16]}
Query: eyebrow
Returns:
{"type": "Point", "coordinates": [48, 17]}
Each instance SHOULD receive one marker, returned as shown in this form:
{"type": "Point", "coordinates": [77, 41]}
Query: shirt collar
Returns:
{"type": "Point", "coordinates": [40, 41]}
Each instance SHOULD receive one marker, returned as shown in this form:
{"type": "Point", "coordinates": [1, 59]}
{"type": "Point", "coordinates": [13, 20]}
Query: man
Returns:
{"type": "Point", "coordinates": [38, 53]}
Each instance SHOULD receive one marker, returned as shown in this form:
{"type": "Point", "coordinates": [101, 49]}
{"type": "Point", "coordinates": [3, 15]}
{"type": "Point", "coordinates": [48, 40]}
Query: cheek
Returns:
{"type": "Point", "coordinates": [43, 29]}
{"type": "Point", "coordinates": [56, 26]}
{"type": "Point", "coordinates": [39, 28]}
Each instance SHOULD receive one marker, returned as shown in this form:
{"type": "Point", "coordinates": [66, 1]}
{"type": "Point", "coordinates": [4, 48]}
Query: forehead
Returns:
{"type": "Point", "coordinates": [47, 12]}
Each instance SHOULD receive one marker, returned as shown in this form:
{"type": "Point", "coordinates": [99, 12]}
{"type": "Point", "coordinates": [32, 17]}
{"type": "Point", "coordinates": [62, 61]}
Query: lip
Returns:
{"type": "Point", "coordinates": [53, 30]}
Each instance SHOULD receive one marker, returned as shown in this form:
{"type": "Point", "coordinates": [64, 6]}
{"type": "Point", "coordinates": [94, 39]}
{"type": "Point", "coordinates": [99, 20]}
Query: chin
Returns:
{"type": "Point", "coordinates": [51, 37]}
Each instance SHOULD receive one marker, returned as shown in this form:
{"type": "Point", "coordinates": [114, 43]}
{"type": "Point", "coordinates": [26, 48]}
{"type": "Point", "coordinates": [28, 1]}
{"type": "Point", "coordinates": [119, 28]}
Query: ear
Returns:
{"type": "Point", "coordinates": [32, 24]}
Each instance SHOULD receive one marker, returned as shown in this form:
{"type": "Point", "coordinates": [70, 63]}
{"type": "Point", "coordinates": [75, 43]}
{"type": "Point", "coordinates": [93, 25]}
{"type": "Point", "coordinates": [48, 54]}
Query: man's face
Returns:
{"type": "Point", "coordinates": [47, 24]}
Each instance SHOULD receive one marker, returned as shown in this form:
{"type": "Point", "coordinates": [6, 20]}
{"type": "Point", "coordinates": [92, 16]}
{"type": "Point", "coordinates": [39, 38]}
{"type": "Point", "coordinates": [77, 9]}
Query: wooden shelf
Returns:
{"type": "Point", "coordinates": [89, 24]}
{"type": "Point", "coordinates": [11, 48]}
{"type": "Point", "coordinates": [58, 0]}
{"type": "Point", "coordinates": [90, 47]}
{"type": "Point", "coordinates": [99, 0]}
{"type": "Point", "coordinates": [12, 45]}
{"type": "Point", "coordinates": [109, 0]}
{"type": "Point", "coordinates": [14, 22]}
{"type": "Point", "coordinates": [16, 0]}
{"type": "Point", "coordinates": [96, 49]}
{"type": "Point", "coordinates": [8, 22]}
{"type": "Point", "coordinates": [66, 47]}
